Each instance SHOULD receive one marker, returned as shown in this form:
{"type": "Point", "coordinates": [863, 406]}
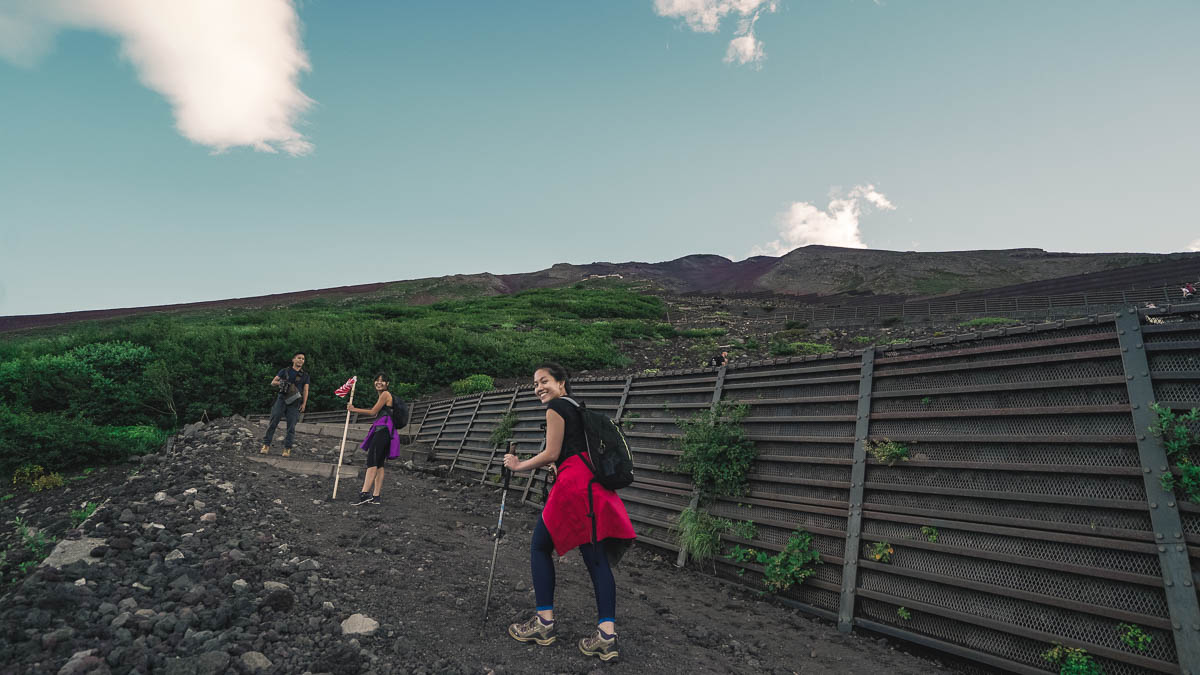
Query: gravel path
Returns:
{"type": "Point", "coordinates": [208, 562]}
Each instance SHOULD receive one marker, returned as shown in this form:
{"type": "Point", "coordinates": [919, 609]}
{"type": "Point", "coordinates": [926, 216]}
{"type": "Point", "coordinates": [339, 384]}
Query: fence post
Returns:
{"type": "Point", "coordinates": [718, 388]}
{"type": "Point", "coordinates": [624, 398]}
{"type": "Point", "coordinates": [470, 423]}
{"type": "Point", "coordinates": [532, 473]}
{"type": "Point", "coordinates": [858, 474]}
{"type": "Point", "coordinates": [442, 428]}
{"type": "Point", "coordinates": [1164, 513]}
{"type": "Point", "coordinates": [492, 456]}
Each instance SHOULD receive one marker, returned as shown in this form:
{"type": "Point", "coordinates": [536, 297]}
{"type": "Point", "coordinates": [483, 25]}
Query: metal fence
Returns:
{"type": "Point", "coordinates": [1030, 456]}
{"type": "Point", "coordinates": [1080, 303]}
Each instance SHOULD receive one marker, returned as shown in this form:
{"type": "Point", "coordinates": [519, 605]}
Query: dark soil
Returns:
{"type": "Point", "coordinates": [418, 564]}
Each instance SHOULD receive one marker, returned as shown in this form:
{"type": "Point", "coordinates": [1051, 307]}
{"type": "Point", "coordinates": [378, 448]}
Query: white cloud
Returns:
{"type": "Point", "coordinates": [837, 225]}
{"type": "Point", "coordinates": [704, 16]}
{"type": "Point", "coordinates": [1194, 246]}
{"type": "Point", "coordinates": [229, 68]}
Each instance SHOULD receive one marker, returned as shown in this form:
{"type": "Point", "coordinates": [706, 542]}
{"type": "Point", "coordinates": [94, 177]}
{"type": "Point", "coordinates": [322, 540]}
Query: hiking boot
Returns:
{"type": "Point", "coordinates": [376, 500]}
{"type": "Point", "coordinates": [363, 498]}
{"type": "Point", "coordinates": [533, 630]}
{"type": "Point", "coordinates": [598, 645]}
{"type": "Point", "coordinates": [265, 449]}
{"type": "Point", "coordinates": [287, 452]}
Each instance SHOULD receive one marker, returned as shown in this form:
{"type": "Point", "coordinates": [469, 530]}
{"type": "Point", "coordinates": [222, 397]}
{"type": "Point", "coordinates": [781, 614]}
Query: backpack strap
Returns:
{"type": "Point", "coordinates": [587, 460]}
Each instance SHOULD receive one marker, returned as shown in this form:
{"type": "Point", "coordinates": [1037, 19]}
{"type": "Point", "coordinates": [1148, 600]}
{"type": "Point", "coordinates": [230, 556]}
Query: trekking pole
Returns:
{"type": "Point", "coordinates": [337, 470]}
{"type": "Point", "coordinates": [499, 532]}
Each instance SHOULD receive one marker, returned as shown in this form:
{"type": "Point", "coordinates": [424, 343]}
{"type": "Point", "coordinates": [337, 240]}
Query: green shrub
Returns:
{"type": "Point", "coordinates": [56, 441]}
{"type": "Point", "coordinates": [888, 451]}
{"type": "Point", "coordinates": [1134, 636]}
{"type": "Point", "coordinates": [701, 332]}
{"type": "Point", "coordinates": [716, 452]}
{"type": "Point", "coordinates": [891, 321]}
{"type": "Point", "coordinates": [83, 513]}
{"type": "Point", "coordinates": [862, 339]}
{"type": "Point", "coordinates": [472, 385]}
{"type": "Point", "coordinates": [986, 321]}
{"type": "Point", "coordinates": [1072, 661]}
{"type": "Point", "coordinates": [881, 551]}
{"type": "Point", "coordinates": [795, 563]}
{"type": "Point", "coordinates": [795, 325]}
{"type": "Point", "coordinates": [699, 534]}
{"type": "Point", "coordinates": [504, 430]}
{"type": "Point", "coordinates": [799, 348]}
{"type": "Point", "coordinates": [47, 482]}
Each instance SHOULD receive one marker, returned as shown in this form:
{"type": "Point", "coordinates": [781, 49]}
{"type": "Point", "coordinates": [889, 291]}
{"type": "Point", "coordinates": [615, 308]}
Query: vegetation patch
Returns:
{"type": "Point", "coordinates": [504, 430]}
{"type": "Point", "coordinates": [472, 384]}
{"type": "Point", "coordinates": [888, 452]}
{"type": "Point", "coordinates": [698, 533]}
{"type": "Point", "coordinates": [989, 321]}
{"type": "Point", "coordinates": [1179, 443]}
{"type": "Point", "coordinates": [800, 348]}
{"type": "Point", "coordinates": [716, 452]}
{"type": "Point", "coordinates": [1134, 637]}
{"type": "Point", "coordinates": [881, 551]}
{"type": "Point", "coordinates": [1072, 661]}
{"type": "Point", "coordinates": [791, 566]}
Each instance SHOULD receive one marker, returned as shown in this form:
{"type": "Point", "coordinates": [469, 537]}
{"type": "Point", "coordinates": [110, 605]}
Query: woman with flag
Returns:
{"type": "Point", "coordinates": [382, 441]}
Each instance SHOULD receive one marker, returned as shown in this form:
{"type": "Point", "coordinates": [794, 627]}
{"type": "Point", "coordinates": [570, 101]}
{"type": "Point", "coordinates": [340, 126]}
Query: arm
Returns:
{"type": "Point", "coordinates": [379, 402]}
{"type": "Point", "coordinates": [276, 381]}
{"type": "Point", "coordinates": [304, 401]}
{"type": "Point", "coordinates": [554, 438]}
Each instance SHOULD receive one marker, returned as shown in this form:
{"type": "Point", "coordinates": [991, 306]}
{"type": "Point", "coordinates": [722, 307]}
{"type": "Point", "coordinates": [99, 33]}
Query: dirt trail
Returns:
{"type": "Point", "coordinates": [417, 564]}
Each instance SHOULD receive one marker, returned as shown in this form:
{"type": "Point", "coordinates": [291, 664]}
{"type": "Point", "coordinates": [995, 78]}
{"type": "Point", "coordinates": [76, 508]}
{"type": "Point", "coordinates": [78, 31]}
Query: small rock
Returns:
{"type": "Point", "coordinates": [255, 661]}
{"type": "Point", "coordinates": [274, 586]}
{"type": "Point", "coordinates": [208, 518]}
{"type": "Point", "coordinates": [160, 496]}
{"type": "Point", "coordinates": [199, 505]}
{"type": "Point", "coordinates": [359, 624]}
{"type": "Point", "coordinates": [240, 585]}
{"type": "Point", "coordinates": [309, 565]}
{"type": "Point", "coordinates": [127, 516]}
{"type": "Point", "coordinates": [174, 555]}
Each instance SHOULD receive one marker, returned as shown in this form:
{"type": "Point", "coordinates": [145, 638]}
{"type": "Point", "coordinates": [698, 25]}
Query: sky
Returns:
{"type": "Point", "coordinates": [164, 151]}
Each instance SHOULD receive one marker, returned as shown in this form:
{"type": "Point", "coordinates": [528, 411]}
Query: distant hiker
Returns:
{"type": "Point", "coordinates": [719, 360]}
{"type": "Point", "coordinates": [1188, 290]}
{"type": "Point", "coordinates": [565, 522]}
{"type": "Point", "coordinates": [382, 441]}
{"type": "Point", "coordinates": [292, 384]}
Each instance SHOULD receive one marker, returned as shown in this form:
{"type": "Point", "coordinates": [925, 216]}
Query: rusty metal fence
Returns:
{"type": "Point", "coordinates": [1032, 472]}
{"type": "Point", "coordinates": [1041, 305]}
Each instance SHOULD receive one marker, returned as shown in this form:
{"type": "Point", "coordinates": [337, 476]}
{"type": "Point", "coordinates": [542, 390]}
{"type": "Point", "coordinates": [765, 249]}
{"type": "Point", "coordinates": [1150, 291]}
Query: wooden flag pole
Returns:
{"type": "Point", "coordinates": [337, 470]}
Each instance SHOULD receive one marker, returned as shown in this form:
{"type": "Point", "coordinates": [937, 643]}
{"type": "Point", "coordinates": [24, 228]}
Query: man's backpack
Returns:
{"type": "Point", "coordinates": [608, 455]}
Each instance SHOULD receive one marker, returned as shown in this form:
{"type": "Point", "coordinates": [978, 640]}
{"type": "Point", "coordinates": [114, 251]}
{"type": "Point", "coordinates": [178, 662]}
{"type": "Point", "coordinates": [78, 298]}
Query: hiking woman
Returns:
{"type": "Point", "coordinates": [565, 523]}
{"type": "Point", "coordinates": [382, 441]}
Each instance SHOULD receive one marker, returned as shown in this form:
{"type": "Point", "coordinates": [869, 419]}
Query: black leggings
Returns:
{"type": "Point", "coordinates": [541, 564]}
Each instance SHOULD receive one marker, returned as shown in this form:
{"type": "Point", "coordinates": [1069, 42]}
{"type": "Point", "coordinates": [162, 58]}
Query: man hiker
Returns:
{"type": "Point", "coordinates": [292, 384]}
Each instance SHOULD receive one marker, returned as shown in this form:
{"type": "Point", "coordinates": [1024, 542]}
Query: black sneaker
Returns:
{"type": "Point", "coordinates": [375, 500]}
{"type": "Point", "coordinates": [363, 498]}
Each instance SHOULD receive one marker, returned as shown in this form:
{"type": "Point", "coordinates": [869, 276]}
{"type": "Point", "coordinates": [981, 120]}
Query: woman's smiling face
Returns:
{"type": "Point", "coordinates": [545, 387]}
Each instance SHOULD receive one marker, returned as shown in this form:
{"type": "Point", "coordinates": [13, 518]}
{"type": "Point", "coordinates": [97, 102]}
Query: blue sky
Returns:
{"type": "Point", "coordinates": [505, 137]}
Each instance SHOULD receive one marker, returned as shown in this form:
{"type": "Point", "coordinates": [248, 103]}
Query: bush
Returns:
{"type": "Point", "coordinates": [701, 332]}
{"type": "Point", "coordinates": [716, 451]}
{"type": "Point", "coordinates": [47, 482]}
{"type": "Point", "coordinates": [799, 348]}
{"type": "Point", "coordinates": [472, 385]}
{"type": "Point", "coordinates": [985, 321]}
{"type": "Point", "coordinates": [699, 534]}
{"type": "Point", "coordinates": [795, 563]}
{"type": "Point", "coordinates": [54, 441]}
{"type": "Point", "coordinates": [503, 431]}
{"type": "Point", "coordinates": [796, 325]}
{"type": "Point", "coordinates": [891, 321]}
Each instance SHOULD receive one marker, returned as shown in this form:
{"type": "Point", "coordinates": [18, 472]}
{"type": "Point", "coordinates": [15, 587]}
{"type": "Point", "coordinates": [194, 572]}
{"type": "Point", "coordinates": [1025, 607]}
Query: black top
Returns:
{"type": "Point", "coordinates": [574, 442]}
{"type": "Point", "coordinates": [291, 375]}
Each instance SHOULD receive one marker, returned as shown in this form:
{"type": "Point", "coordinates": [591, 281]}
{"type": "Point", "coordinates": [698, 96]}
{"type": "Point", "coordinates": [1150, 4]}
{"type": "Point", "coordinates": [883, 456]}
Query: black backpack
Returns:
{"type": "Point", "coordinates": [400, 412]}
{"type": "Point", "coordinates": [608, 454]}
